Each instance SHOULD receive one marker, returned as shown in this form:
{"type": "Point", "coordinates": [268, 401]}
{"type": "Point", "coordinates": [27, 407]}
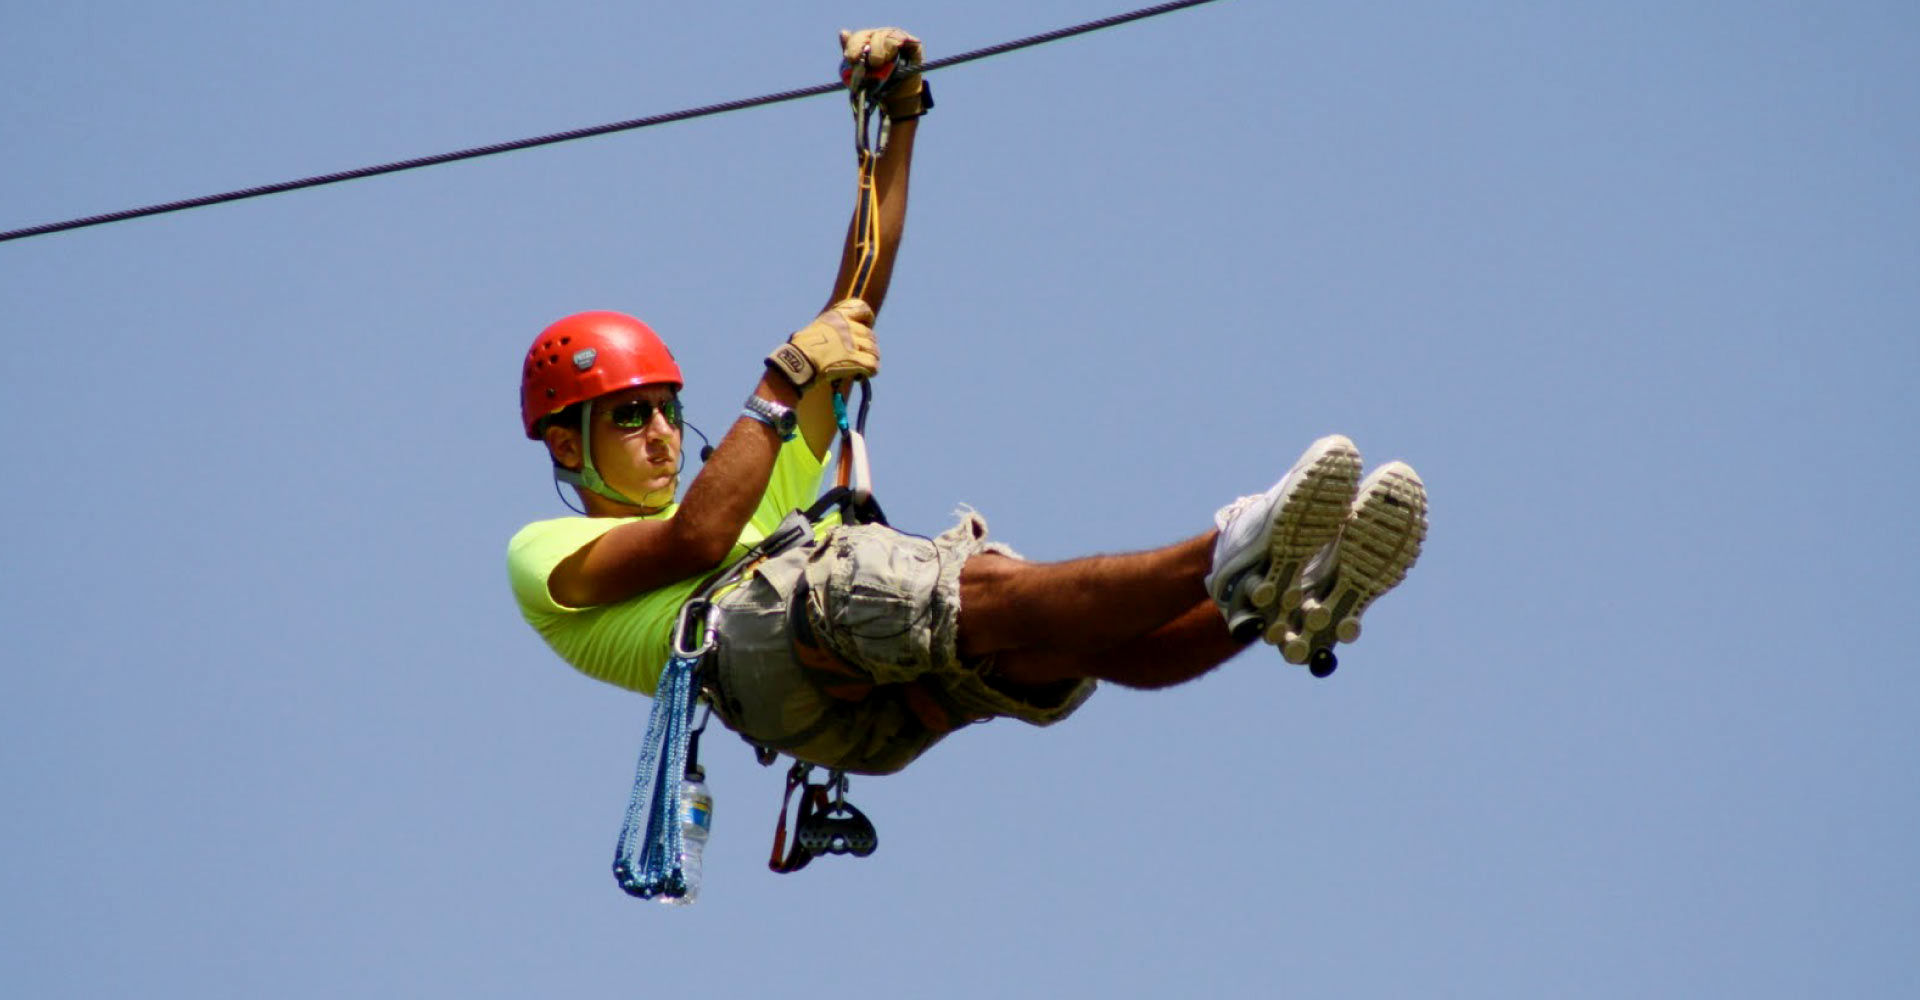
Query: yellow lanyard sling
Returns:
{"type": "Point", "coordinates": [871, 127]}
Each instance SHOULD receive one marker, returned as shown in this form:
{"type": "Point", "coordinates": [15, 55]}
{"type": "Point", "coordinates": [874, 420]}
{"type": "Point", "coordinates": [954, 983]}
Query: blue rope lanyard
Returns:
{"type": "Point", "coordinates": [646, 861]}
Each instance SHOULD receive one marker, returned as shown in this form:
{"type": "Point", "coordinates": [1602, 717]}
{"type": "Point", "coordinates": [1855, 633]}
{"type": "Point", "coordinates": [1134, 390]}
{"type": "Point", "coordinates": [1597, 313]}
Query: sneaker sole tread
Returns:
{"type": "Point", "coordinates": [1383, 538]}
{"type": "Point", "coordinates": [1305, 522]}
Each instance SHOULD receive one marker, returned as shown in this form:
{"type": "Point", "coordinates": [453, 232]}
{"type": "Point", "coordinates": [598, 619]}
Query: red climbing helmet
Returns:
{"type": "Point", "coordinates": [586, 355]}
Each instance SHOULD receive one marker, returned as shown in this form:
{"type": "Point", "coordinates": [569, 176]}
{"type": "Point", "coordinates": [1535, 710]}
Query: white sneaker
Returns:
{"type": "Point", "coordinates": [1379, 544]}
{"type": "Point", "coordinates": [1266, 540]}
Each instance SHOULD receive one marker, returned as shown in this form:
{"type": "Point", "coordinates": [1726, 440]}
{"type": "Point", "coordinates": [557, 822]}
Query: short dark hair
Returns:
{"type": "Point", "coordinates": [568, 416]}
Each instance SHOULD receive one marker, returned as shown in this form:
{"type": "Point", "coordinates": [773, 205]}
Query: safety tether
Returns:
{"type": "Point", "coordinates": [872, 127]}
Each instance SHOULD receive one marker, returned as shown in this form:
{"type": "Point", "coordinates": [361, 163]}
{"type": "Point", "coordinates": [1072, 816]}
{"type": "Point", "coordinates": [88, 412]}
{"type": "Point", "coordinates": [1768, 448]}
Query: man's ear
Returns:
{"type": "Point", "coordinates": [563, 443]}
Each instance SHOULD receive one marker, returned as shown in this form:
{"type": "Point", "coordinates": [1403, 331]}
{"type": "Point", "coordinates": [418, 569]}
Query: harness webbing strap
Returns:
{"type": "Point", "coordinates": [866, 228]}
{"type": "Point", "coordinates": [813, 800]}
{"type": "Point", "coordinates": [863, 94]}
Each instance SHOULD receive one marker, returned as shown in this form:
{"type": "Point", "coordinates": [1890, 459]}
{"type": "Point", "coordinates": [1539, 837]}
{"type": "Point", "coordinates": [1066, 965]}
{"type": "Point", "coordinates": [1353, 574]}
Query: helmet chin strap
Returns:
{"type": "Point", "coordinates": [588, 477]}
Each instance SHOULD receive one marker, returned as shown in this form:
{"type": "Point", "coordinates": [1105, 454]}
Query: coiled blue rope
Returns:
{"type": "Point", "coordinates": [647, 861]}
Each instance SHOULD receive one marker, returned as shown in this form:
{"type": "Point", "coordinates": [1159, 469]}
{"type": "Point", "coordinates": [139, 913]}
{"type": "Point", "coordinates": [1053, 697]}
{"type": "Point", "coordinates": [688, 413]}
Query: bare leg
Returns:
{"type": "Point", "coordinates": [1178, 651]}
{"type": "Point", "coordinates": [1082, 604]}
{"type": "Point", "coordinates": [1142, 620]}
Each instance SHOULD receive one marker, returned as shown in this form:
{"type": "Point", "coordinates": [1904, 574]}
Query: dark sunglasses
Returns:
{"type": "Point", "coordinates": [635, 414]}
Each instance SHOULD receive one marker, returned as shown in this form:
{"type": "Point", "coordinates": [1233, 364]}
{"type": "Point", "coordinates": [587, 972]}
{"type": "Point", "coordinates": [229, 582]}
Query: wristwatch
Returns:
{"type": "Point", "coordinates": [781, 418]}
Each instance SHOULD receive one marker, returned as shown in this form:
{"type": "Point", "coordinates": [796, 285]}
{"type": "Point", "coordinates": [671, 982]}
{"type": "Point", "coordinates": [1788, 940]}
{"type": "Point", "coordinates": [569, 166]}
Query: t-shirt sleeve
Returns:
{"type": "Point", "coordinates": [794, 484]}
{"type": "Point", "coordinates": [537, 548]}
{"type": "Point", "coordinates": [623, 643]}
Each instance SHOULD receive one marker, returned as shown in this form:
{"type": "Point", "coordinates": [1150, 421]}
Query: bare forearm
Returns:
{"type": "Point", "coordinates": [639, 556]}
{"type": "Point", "coordinates": [724, 495]}
{"type": "Point", "coordinates": [890, 178]}
{"type": "Point", "coordinates": [890, 187]}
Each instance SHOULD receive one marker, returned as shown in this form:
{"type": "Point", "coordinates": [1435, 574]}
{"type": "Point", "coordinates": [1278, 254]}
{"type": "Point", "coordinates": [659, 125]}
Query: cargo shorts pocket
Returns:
{"type": "Point", "coordinates": [761, 692]}
{"type": "Point", "coordinates": [870, 598]}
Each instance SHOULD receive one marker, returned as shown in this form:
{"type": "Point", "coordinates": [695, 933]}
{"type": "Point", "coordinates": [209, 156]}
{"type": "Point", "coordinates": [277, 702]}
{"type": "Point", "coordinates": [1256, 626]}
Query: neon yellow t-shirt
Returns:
{"type": "Point", "coordinates": [627, 643]}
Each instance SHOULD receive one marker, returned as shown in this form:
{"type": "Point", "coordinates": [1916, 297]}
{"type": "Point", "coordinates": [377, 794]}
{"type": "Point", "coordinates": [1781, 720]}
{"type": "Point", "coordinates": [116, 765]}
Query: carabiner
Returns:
{"type": "Point", "coordinates": [691, 613]}
{"type": "Point", "coordinates": [865, 84]}
{"type": "Point", "coordinates": [859, 76]}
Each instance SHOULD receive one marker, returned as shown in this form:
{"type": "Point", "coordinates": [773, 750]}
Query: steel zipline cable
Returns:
{"type": "Point", "coordinates": [579, 133]}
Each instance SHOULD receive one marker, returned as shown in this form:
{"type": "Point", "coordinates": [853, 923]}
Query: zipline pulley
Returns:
{"type": "Point", "coordinates": [823, 825]}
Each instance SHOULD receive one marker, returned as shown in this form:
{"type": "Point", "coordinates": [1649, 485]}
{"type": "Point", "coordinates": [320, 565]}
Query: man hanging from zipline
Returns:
{"type": "Point", "coordinates": [855, 646]}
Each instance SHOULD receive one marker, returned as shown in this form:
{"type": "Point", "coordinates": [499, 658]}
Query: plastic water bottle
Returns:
{"type": "Point", "coordinates": [696, 822]}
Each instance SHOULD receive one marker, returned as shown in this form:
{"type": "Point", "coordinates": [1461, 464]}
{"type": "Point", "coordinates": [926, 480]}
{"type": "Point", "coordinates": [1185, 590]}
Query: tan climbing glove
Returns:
{"type": "Point", "coordinates": [872, 50]}
{"type": "Point", "coordinates": [838, 344]}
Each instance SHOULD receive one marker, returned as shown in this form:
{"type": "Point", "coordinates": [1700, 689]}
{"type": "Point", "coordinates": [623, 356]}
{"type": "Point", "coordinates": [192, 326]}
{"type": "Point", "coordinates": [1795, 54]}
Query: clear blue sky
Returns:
{"type": "Point", "coordinates": [1632, 284]}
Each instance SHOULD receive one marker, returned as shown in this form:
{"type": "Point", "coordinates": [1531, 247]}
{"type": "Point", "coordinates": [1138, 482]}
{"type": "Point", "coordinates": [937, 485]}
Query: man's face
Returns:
{"type": "Point", "coordinates": [636, 446]}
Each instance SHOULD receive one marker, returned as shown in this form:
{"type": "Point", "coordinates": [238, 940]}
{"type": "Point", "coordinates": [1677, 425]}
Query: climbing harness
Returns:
{"type": "Point", "coordinates": [647, 857]}
{"type": "Point", "coordinates": [646, 862]}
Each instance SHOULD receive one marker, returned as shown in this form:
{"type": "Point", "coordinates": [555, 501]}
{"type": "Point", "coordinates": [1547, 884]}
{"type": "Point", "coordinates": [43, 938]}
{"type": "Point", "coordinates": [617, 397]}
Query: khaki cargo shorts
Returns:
{"type": "Point", "coordinates": [843, 652]}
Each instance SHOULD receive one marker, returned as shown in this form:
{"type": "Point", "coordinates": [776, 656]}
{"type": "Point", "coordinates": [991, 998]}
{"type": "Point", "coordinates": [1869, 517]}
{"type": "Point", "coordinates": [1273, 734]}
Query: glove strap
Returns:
{"type": "Point", "coordinates": [791, 362]}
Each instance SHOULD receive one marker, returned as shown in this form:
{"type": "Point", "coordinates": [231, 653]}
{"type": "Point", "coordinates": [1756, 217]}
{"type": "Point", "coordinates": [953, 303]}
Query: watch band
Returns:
{"type": "Point", "coordinates": [781, 418]}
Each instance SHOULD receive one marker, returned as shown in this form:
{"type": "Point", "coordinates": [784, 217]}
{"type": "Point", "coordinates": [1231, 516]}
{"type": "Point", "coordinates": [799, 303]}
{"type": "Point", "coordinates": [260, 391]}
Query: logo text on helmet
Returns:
{"type": "Point", "coordinates": [583, 359]}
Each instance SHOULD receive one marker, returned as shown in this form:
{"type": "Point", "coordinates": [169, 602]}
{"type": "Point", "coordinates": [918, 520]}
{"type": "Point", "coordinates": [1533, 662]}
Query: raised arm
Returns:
{"type": "Point", "coordinates": [906, 100]}
{"type": "Point", "coordinates": [639, 556]}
